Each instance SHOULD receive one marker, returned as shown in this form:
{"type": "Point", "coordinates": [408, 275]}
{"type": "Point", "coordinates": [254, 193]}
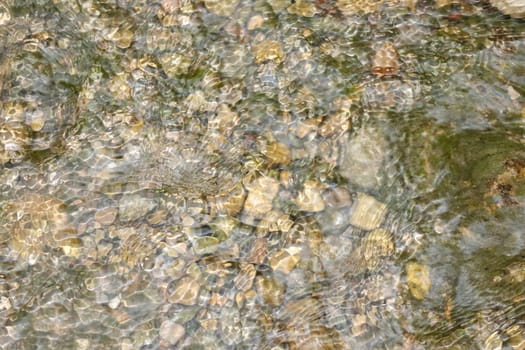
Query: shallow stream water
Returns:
{"type": "Point", "coordinates": [263, 174]}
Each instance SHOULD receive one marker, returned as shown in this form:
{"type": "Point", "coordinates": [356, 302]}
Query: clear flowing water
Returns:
{"type": "Point", "coordinates": [261, 175]}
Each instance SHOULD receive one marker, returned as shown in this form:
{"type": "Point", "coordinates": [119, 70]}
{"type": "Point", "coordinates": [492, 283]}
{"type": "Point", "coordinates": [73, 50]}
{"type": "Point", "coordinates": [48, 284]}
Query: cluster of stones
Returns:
{"type": "Point", "coordinates": [215, 227]}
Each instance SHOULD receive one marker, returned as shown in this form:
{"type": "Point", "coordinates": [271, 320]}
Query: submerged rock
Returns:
{"type": "Point", "coordinates": [186, 292]}
{"type": "Point", "coordinates": [171, 332]}
{"type": "Point", "coordinates": [418, 280]}
{"type": "Point", "coordinates": [513, 8]}
{"type": "Point", "coordinates": [221, 7]}
{"type": "Point", "coordinates": [133, 207]}
{"type": "Point", "coordinates": [268, 50]}
{"type": "Point", "coordinates": [367, 212]}
{"type": "Point", "coordinates": [385, 61]}
{"type": "Point", "coordinates": [362, 158]}
{"type": "Point", "coordinates": [310, 199]}
{"type": "Point", "coordinates": [262, 192]}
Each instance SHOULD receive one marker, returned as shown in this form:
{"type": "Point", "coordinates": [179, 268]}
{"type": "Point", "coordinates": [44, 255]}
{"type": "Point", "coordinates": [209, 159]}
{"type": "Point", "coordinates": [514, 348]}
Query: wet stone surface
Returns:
{"type": "Point", "coordinates": [266, 174]}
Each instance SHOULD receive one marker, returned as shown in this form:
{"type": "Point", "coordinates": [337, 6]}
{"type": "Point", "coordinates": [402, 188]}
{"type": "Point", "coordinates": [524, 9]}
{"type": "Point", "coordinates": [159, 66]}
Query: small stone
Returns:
{"type": "Point", "coordinates": [493, 342]}
{"type": "Point", "coordinates": [303, 8]}
{"type": "Point", "coordinates": [516, 336]}
{"type": "Point", "coordinates": [217, 299]}
{"type": "Point", "coordinates": [171, 332]}
{"type": "Point", "coordinates": [358, 324]}
{"type": "Point", "coordinates": [337, 198]}
{"type": "Point", "coordinates": [225, 121]}
{"type": "Point", "coordinates": [119, 87]}
{"type": "Point", "coordinates": [418, 280]}
{"type": "Point", "coordinates": [106, 216]}
{"type": "Point", "coordinates": [186, 292]}
{"type": "Point", "coordinates": [286, 178]}
{"type": "Point", "coordinates": [5, 14]}
{"type": "Point", "coordinates": [37, 121]}
{"type": "Point", "coordinates": [169, 20]}
{"type": "Point", "coordinates": [303, 310]}
{"type": "Point", "coordinates": [443, 3]}
{"type": "Point", "coordinates": [262, 192]}
{"type": "Point", "coordinates": [230, 326]}
{"type": "Point", "coordinates": [114, 303]}
{"type": "Point", "coordinates": [175, 64]}
{"type": "Point", "coordinates": [278, 5]}
{"type": "Point", "coordinates": [362, 159]}
{"type": "Point", "coordinates": [209, 324]}
{"type": "Point", "coordinates": [513, 8]}
{"type": "Point", "coordinates": [268, 50]}
{"type": "Point", "coordinates": [310, 199]}
{"type": "Point", "coordinates": [5, 303]}
{"type": "Point", "coordinates": [335, 124]}
{"type": "Point", "coordinates": [367, 212]}
{"type": "Point", "coordinates": [170, 6]}
{"type": "Point", "coordinates": [206, 245]}
{"type": "Point", "coordinates": [270, 290]}
{"type": "Point", "coordinates": [71, 247]}
{"type": "Point", "coordinates": [244, 280]}
{"type": "Point", "coordinates": [278, 154]}
{"type": "Point", "coordinates": [385, 61]}
{"type": "Point", "coordinates": [304, 127]}
{"type": "Point", "coordinates": [515, 272]}
{"type": "Point", "coordinates": [157, 217]}
{"type": "Point", "coordinates": [259, 250]}
{"type": "Point", "coordinates": [284, 261]}
{"type": "Point", "coordinates": [378, 243]}
{"type": "Point", "coordinates": [255, 22]}
{"type": "Point", "coordinates": [82, 344]}
{"type": "Point", "coordinates": [375, 246]}
{"type": "Point", "coordinates": [230, 203]}
{"type": "Point", "coordinates": [133, 207]}
{"type": "Point", "coordinates": [221, 7]}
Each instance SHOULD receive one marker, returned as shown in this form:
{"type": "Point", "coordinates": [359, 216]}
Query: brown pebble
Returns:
{"type": "Point", "coordinates": [106, 216]}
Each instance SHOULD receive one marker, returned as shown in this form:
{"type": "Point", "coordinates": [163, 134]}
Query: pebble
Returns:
{"type": "Point", "coordinates": [255, 22]}
{"type": "Point", "coordinates": [358, 324]}
{"type": "Point", "coordinates": [310, 199]}
{"type": "Point", "coordinates": [5, 14]}
{"type": "Point", "coordinates": [268, 50]}
{"type": "Point", "coordinates": [367, 212]}
{"type": "Point", "coordinates": [230, 325]}
{"type": "Point", "coordinates": [133, 207]}
{"type": "Point", "coordinates": [278, 154]}
{"type": "Point", "coordinates": [337, 198]}
{"type": "Point", "coordinates": [284, 261]}
{"type": "Point", "coordinates": [262, 192]}
{"type": "Point", "coordinates": [186, 292]}
{"type": "Point", "coordinates": [378, 243]}
{"type": "Point", "coordinates": [5, 303]}
{"type": "Point", "coordinates": [385, 62]}
{"type": "Point", "coordinates": [221, 7]}
{"type": "Point", "coordinates": [244, 280]}
{"type": "Point", "coordinates": [157, 217]}
{"type": "Point", "coordinates": [270, 290]}
{"type": "Point", "coordinates": [335, 124]}
{"type": "Point", "coordinates": [513, 8]}
{"type": "Point", "coordinates": [71, 247]}
{"type": "Point", "coordinates": [206, 245]}
{"type": "Point", "coordinates": [106, 216]}
{"type": "Point", "coordinates": [493, 342]}
{"type": "Point", "coordinates": [304, 127]}
{"type": "Point", "coordinates": [418, 280]}
{"type": "Point", "coordinates": [259, 251]}
{"type": "Point", "coordinates": [303, 8]}
{"type": "Point", "coordinates": [171, 332]}
{"type": "Point", "coordinates": [362, 158]}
